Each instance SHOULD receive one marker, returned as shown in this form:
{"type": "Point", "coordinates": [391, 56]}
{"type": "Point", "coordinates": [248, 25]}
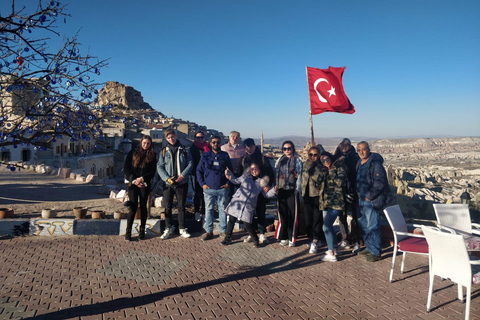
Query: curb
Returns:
{"type": "Point", "coordinates": [83, 227]}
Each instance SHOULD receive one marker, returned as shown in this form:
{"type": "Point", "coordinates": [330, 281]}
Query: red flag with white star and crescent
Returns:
{"type": "Point", "coordinates": [325, 90]}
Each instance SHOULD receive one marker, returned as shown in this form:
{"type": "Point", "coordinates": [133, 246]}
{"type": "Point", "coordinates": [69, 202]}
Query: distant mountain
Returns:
{"type": "Point", "coordinates": [300, 142]}
{"type": "Point", "coordinates": [386, 145]}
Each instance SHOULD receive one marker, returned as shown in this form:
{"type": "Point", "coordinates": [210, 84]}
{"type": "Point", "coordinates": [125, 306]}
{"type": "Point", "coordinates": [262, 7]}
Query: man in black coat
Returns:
{"type": "Point", "coordinates": [373, 194]}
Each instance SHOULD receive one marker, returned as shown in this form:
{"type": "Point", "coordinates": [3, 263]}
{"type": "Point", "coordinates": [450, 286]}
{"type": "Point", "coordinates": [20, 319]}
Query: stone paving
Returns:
{"type": "Point", "coordinates": [104, 277]}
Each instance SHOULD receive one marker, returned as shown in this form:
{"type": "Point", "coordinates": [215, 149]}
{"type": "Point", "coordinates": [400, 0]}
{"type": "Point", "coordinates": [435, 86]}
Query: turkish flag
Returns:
{"type": "Point", "coordinates": [325, 90]}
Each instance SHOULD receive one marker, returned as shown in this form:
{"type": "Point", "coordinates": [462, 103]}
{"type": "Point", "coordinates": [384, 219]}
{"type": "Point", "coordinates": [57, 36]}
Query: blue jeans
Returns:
{"type": "Point", "coordinates": [329, 217]}
{"type": "Point", "coordinates": [211, 197]}
{"type": "Point", "coordinates": [368, 221]}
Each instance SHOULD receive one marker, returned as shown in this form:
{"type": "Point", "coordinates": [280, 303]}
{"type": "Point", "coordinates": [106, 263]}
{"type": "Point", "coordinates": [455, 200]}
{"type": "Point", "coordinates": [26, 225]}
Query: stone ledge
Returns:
{"type": "Point", "coordinates": [69, 227]}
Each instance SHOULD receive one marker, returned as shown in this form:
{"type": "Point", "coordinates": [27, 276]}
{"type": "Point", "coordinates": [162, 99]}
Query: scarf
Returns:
{"type": "Point", "coordinates": [201, 145]}
{"type": "Point", "coordinates": [286, 173]}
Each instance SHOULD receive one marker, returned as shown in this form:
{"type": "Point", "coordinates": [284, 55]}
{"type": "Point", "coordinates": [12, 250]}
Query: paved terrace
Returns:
{"type": "Point", "coordinates": [104, 277]}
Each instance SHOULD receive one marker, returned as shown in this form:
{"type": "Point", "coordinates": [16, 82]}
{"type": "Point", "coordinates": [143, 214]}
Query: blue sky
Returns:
{"type": "Point", "coordinates": [412, 67]}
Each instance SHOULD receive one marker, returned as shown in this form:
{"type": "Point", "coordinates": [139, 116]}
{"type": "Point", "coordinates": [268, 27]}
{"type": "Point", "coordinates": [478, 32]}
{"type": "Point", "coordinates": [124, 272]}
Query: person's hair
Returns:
{"type": "Point", "coordinates": [291, 143]}
{"type": "Point", "coordinates": [345, 140]}
{"type": "Point", "coordinates": [315, 148]}
{"type": "Point", "coordinates": [140, 156]}
{"type": "Point", "coordinates": [367, 146]}
{"type": "Point", "coordinates": [200, 132]}
{"type": "Point", "coordinates": [216, 137]}
{"type": "Point", "coordinates": [169, 131]}
{"type": "Point", "coordinates": [234, 133]}
{"type": "Point", "coordinates": [248, 142]}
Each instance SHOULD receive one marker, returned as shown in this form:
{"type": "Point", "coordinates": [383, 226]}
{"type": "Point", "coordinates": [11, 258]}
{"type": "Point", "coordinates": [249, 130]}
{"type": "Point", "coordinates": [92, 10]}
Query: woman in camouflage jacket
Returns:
{"type": "Point", "coordinates": [331, 181]}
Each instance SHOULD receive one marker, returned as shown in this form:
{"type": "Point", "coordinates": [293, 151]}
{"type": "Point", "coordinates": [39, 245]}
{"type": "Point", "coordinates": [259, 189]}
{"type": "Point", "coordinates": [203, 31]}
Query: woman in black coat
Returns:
{"type": "Point", "coordinates": [140, 168]}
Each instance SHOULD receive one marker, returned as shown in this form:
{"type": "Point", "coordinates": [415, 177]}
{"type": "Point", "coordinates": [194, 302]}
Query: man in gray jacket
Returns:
{"type": "Point", "coordinates": [173, 167]}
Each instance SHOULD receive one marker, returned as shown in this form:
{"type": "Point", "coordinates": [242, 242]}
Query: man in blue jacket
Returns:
{"type": "Point", "coordinates": [211, 177]}
{"type": "Point", "coordinates": [173, 167]}
{"type": "Point", "coordinates": [373, 194]}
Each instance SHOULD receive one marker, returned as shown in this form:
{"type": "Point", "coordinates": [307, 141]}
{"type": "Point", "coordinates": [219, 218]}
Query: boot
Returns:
{"type": "Point", "coordinates": [128, 236]}
{"type": "Point", "coordinates": [141, 233]}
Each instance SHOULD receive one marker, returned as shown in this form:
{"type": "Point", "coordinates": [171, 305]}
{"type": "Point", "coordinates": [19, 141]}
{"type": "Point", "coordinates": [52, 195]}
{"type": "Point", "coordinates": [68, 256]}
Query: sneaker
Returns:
{"type": "Point", "coordinates": [291, 244]}
{"type": "Point", "coordinates": [184, 233]}
{"type": "Point", "coordinates": [207, 236]}
{"type": "Point", "coordinates": [167, 233]}
{"type": "Point", "coordinates": [248, 239]}
{"type": "Point", "coordinates": [344, 245]}
{"type": "Point", "coordinates": [313, 248]}
{"type": "Point", "coordinates": [262, 239]}
{"type": "Point", "coordinates": [226, 241]}
{"type": "Point", "coordinates": [256, 244]}
{"type": "Point", "coordinates": [372, 258]}
{"type": "Point", "coordinates": [356, 247]}
{"type": "Point", "coordinates": [329, 258]}
{"type": "Point", "coordinates": [198, 216]}
{"type": "Point", "coordinates": [284, 243]}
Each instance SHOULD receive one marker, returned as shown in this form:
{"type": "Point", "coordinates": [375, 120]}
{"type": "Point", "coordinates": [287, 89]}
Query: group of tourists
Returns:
{"type": "Point", "coordinates": [239, 180]}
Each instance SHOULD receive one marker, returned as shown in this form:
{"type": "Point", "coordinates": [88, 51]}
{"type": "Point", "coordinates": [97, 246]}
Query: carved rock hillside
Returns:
{"type": "Point", "coordinates": [122, 95]}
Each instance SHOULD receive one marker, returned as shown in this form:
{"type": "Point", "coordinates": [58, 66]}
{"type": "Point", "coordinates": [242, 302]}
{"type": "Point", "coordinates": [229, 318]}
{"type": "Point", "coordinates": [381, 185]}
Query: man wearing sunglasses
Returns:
{"type": "Point", "coordinates": [211, 177]}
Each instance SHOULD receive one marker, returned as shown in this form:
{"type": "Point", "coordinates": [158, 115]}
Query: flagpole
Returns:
{"type": "Point", "coordinates": [311, 128]}
{"type": "Point", "coordinates": [310, 110]}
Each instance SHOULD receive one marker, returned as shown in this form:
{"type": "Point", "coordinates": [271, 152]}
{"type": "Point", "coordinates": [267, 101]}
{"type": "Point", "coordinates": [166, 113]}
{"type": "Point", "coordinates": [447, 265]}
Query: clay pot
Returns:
{"type": "Point", "coordinates": [6, 213]}
{"type": "Point", "coordinates": [118, 215]}
{"type": "Point", "coordinates": [49, 213]}
{"type": "Point", "coordinates": [80, 212]}
{"type": "Point", "coordinates": [98, 214]}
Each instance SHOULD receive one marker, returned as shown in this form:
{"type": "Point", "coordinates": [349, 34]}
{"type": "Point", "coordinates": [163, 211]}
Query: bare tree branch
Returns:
{"type": "Point", "coordinates": [45, 92]}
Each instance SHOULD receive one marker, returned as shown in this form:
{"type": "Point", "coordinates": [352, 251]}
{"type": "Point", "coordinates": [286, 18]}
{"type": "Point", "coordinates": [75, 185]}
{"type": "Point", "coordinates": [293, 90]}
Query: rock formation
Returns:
{"type": "Point", "coordinates": [122, 96]}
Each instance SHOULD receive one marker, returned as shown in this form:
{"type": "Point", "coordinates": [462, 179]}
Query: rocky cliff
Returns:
{"type": "Point", "coordinates": [122, 96]}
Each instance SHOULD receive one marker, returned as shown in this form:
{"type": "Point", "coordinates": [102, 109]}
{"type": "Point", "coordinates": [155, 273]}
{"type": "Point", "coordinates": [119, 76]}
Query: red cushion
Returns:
{"type": "Point", "coordinates": [413, 244]}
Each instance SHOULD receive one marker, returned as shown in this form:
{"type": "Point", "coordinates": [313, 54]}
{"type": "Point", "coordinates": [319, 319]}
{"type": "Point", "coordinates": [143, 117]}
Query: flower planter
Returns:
{"type": "Point", "coordinates": [49, 213]}
{"type": "Point", "coordinates": [98, 214]}
{"type": "Point", "coordinates": [80, 212]}
{"type": "Point", "coordinates": [6, 213]}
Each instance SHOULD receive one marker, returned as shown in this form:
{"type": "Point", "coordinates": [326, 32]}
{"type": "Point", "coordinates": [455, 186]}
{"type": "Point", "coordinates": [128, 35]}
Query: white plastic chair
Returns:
{"type": "Point", "coordinates": [448, 259]}
{"type": "Point", "coordinates": [456, 217]}
{"type": "Point", "coordinates": [404, 240]}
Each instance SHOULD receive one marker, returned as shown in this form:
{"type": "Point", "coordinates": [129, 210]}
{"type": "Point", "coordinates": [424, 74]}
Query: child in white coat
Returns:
{"type": "Point", "coordinates": [243, 203]}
